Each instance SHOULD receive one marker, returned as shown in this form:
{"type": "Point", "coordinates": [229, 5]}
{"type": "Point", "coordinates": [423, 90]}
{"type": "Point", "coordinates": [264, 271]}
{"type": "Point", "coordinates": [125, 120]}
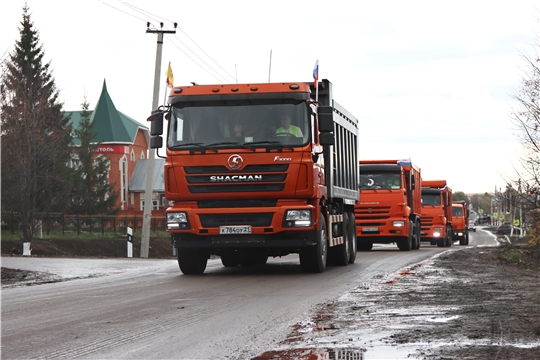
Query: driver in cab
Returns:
{"type": "Point", "coordinates": [286, 128]}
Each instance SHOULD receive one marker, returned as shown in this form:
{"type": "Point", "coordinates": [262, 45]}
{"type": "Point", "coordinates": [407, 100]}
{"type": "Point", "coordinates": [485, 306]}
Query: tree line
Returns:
{"type": "Point", "coordinates": [523, 191]}
{"type": "Point", "coordinates": [37, 143]}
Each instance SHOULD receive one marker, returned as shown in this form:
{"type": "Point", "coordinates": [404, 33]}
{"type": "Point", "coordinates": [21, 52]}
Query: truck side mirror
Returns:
{"type": "Point", "coordinates": [156, 142]}
{"type": "Point", "coordinates": [326, 119]}
{"type": "Point", "coordinates": [156, 127]}
{"type": "Point", "coordinates": [326, 139]}
{"type": "Point", "coordinates": [413, 182]}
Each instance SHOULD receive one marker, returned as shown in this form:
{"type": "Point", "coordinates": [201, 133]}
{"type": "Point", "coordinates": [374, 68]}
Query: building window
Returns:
{"type": "Point", "coordinates": [132, 199]}
{"type": "Point", "coordinates": [155, 205]}
{"type": "Point", "coordinates": [74, 162]}
{"type": "Point", "coordinates": [142, 155]}
{"type": "Point", "coordinates": [123, 180]}
{"type": "Point", "coordinates": [132, 155]}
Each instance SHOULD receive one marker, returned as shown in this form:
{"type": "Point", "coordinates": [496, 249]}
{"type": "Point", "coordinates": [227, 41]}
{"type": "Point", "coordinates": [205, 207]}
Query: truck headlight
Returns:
{"type": "Point", "coordinates": [297, 218]}
{"type": "Point", "coordinates": [398, 223]}
{"type": "Point", "coordinates": [177, 221]}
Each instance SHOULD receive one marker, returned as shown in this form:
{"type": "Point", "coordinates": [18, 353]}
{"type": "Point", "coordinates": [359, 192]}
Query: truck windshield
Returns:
{"type": "Point", "coordinates": [380, 180]}
{"type": "Point", "coordinates": [431, 199]}
{"type": "Point", "coordinates": [457, 211]}
{"type": "Point", "coordinates": [231, 125]}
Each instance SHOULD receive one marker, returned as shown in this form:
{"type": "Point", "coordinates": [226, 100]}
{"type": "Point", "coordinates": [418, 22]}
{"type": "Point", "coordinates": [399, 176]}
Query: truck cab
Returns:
{"type": "Point", "coordinates": [436, 213]}
{"type": "Point", "coordinates": [257, 171]}
{"type": "Point", "coordinates": [460, 222]}
{"type": "Point", "coordinates": [390, 204]}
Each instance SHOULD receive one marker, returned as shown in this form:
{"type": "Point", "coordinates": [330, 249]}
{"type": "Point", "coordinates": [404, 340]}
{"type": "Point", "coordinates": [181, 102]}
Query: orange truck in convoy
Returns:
{"type": "Point", "coordinates": [460, 222]}
{"type": "Point", "coordinates": [257, 171]}
{"type": "Point", "coordinates": [389, 210]}
{"type": "Point", "coordinates": [436, 213]}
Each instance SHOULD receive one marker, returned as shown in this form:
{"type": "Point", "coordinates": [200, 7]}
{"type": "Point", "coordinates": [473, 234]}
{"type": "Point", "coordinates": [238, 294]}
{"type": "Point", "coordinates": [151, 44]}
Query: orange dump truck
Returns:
{"type": "Point", "coordinates": [460, 222]}
{"type": "Point", "coordinates": [390, 206]}
{"type": "Point", "coordinates": [257, 171]}
{"type": "Point", "coordinates": [436, 213]}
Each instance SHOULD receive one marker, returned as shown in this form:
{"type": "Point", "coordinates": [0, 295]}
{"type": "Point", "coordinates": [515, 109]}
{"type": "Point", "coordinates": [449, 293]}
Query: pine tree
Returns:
{"type": "Point", "coordinates": [92, 194]}
{"type": "Point", "coordinates": [36, 137]}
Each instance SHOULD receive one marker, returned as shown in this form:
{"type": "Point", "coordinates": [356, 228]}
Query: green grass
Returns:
{"type": "Point", "coordinates": [513, 256]}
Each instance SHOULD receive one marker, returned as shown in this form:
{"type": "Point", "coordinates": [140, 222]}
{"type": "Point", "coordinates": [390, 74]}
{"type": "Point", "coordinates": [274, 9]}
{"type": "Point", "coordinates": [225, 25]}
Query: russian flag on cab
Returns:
{"type": "Point", "coordinates": [316, 73]}
{"type": "Point", "coordinates": [405, 164]}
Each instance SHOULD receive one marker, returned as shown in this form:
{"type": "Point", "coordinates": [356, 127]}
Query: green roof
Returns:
{"type": "Point", "coordinates": [110, 125]}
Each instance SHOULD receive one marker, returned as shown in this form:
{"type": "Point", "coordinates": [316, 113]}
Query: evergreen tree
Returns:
{"type": "Point", "coordinates": [92, 194]}
{"type": "Point", "coordinates": [36, 137]}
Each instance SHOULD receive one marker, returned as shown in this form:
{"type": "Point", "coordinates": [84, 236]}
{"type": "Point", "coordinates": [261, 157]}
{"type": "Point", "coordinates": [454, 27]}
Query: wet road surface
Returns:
{"type": "Point", "coordinates": [145, 308]}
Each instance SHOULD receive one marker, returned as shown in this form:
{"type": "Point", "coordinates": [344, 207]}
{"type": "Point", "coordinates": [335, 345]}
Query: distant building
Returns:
{"type": "Point", "coordinates": [124, 141]}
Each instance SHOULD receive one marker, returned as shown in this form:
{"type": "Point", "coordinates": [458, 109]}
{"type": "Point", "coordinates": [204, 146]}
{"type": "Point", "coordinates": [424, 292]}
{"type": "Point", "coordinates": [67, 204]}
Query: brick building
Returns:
{"type": "Point", "coordinates": [124, 141]}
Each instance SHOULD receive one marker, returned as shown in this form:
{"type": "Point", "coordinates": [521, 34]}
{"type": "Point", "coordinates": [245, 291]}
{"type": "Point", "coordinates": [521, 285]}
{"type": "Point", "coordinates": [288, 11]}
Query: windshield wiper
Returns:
{"type": "Point", "coordinates": [199, 145]}
{"type": "Point", "coordinates": [278, 144]}
{"type": "Point", "coordinates": [232, 143]}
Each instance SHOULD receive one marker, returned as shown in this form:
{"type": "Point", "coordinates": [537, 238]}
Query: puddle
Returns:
{"type": "Point", "coordinates": [381, 352]}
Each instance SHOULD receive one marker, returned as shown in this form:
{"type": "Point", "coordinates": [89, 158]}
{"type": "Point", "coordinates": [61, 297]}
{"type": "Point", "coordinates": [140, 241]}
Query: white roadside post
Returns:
{"type": "Point", "coordinates": [26, 249]}
{"type": "Point", "coordinates": [129, 242]}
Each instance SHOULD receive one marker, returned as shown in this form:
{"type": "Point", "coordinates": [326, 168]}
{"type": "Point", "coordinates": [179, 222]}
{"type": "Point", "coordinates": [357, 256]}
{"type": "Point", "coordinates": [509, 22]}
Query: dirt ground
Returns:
{"type": "Point", "coordinates": [475, 303]}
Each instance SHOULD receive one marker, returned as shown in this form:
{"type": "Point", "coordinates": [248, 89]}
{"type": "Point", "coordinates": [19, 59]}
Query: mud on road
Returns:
{"type": "Point", "coordinates": [474, 303]}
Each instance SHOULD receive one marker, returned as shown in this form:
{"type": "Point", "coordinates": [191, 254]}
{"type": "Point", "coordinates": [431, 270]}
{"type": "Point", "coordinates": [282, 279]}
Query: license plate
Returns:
{"type": "Point", "coordinates": [370, 229]}
{"type": "Point", "coordinates": [245, 229]}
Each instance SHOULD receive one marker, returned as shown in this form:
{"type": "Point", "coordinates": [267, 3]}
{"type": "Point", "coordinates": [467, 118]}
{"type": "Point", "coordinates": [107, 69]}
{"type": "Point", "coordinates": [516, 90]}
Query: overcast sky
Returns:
{"type": "Point", "coordinates": [432, 81]}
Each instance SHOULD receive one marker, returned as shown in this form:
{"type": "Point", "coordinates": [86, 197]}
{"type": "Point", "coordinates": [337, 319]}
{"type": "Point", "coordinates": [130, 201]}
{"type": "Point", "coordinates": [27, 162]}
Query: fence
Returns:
{"type": "Point", "coordinates": [56, 224]}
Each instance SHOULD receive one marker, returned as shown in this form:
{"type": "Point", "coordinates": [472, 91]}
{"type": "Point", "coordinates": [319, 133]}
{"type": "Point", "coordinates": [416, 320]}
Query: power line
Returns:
{"type": "Point", "coordinates": [122, 11]}
{"type": "Point", "coordinates": [195, 61]}
{"type": "Point", "coordinates": [144, 12]}
{"type": "Point", "coordinates": [157, 18]}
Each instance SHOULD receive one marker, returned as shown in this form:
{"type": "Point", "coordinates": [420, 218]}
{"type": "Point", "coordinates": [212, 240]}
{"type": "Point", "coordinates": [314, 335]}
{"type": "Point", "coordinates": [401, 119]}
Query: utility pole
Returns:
{"type": "Point", "coordinates": [149, 189]}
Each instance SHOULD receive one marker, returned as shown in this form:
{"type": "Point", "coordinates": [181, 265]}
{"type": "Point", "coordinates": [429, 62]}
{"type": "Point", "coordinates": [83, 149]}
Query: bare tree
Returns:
{"type": "Point", "coordinates": [36, 136]}
{"type": "Point", "coordinates": [526, 115]}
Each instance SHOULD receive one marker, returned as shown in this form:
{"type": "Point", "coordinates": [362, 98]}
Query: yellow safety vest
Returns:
{"type": "Point", "coordinates": [293, 130]}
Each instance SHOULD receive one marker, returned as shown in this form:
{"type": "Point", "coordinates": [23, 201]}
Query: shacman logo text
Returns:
{"type": "Point", "coordinates": [235, 178]}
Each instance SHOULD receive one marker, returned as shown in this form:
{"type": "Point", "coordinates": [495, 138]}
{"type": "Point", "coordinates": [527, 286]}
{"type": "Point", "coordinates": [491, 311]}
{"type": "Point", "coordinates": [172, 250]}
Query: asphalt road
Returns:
{"type": "Point", "coordinates": [146, 309]}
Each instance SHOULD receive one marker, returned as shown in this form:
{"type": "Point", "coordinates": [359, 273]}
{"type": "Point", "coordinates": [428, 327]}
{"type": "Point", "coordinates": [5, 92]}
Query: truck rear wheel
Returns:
{"type": "Point", "coordinates": [352, 238]}
{"type": "Point", "coordinates": [313, 258]}
{"type": "Point", "coordinates": [192, 261]}
{"type": "Point", "coordinates": [339, 254]}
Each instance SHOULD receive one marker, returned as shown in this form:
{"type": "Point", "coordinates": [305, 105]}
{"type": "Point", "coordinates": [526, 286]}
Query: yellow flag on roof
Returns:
{"type": "Point", "coordinates": [170, 76]}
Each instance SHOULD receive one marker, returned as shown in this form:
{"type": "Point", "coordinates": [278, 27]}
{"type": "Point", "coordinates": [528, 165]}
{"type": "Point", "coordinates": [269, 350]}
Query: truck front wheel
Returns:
{"type": "Point", "coordinates": [448, 236]}
{"type": "Point", "coordinates": [416, 235]}
{"type": "Point", "coordinates": [313, 258]}
{"type": "Point", "coordinates": [407, 243]}
{"type": "Point", "coordinates": [192, 261]}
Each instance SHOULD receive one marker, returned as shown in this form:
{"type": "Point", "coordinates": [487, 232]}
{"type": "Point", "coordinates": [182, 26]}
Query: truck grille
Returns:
{"type": "Point", "coordinates": [372, 212]}
{"type": "Point", "coordinates": [253, 178]}
{"type": "Point", "coordinates": [253, 219]}
{"type": "Point", "coordinates": [242, 203]}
